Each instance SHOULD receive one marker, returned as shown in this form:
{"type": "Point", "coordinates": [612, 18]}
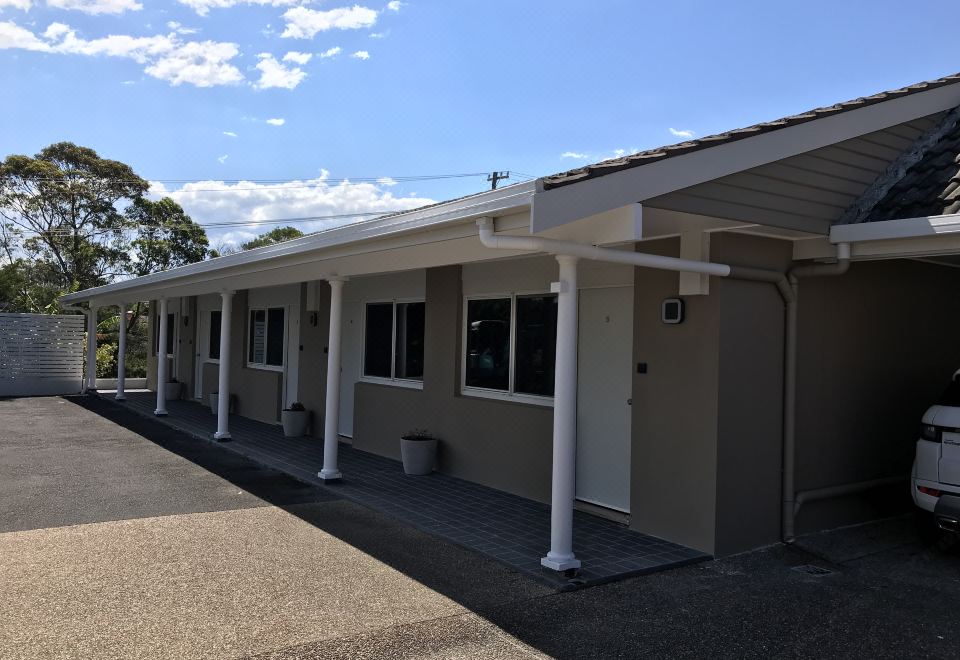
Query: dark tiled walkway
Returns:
{"type": "Point", "coordinates": [510, 528]}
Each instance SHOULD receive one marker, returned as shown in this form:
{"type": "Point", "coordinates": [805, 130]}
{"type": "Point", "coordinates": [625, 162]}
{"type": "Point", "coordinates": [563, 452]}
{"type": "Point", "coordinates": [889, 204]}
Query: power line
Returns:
{"type": "Point", "coordinates": [383, 179]}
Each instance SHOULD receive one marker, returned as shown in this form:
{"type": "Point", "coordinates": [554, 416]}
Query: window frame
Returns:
{"type": "Point", "coordinates": [206, 351]}
{"type": "Point", "coordinates": [410, 383]}
{"type": "Point", "coordinates": [174, 337]}
{"type": "Point", "coordinates": [263, 366]}
{"type": "Point", "coordinates": [509, 394]}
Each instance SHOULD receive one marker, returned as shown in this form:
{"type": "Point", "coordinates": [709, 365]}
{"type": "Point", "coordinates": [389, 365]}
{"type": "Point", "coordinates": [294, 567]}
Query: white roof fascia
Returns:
{"type": "Point", "coordinates": [558, 206]}
{"type": "Point", "coordinates": [508, 199]}
{"type": "Point", "coordinates": [938, 225]}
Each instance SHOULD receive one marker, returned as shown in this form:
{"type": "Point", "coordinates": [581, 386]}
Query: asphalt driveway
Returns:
{"type": "Point", "coordinates": [122, 538]}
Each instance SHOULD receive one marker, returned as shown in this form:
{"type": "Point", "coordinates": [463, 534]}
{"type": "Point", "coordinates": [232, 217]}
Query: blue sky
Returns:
{"type": "Point", "coordinates": [182, 90]}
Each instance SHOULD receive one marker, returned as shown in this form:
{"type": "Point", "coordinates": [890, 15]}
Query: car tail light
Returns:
{"type": "Point", "coordinates": [932, 492]}
{"type": "Point", "coordinates": [930, 432]}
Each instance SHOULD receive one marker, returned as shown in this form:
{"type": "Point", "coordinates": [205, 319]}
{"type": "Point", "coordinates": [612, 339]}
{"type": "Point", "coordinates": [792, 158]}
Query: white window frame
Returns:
{"type": "Point", "coordinates": [176, 334]}
{"type": "Point", "coordinates": [205, 356]}
{"type": "Point", "coordinates": [486, 392]}
{"type": "Point", "coordinates": [266, 339]}
{"type": "Point", "coordinates": [393, 380]}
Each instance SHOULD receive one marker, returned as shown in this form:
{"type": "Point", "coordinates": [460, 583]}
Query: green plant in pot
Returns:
{"type": "Point", "coordinates": [419, 452]}
{"type": "Point", "coordinates": [295, 420]}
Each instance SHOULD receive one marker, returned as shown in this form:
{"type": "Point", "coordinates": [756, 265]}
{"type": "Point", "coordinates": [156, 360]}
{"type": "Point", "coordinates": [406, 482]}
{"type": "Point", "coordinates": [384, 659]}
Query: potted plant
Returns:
{"type": "Point", "coordinates": [419, 452]}
{"type": "Point", "coordinates": [215, 403]}
{"type": "Point", "coordinates": [173, 387]}
{"type": "Point", "coordinates": [295, 420]}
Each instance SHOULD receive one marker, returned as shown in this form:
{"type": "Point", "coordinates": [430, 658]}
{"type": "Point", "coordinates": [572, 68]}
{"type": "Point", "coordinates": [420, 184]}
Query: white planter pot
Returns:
{"type": "Point", "coordinates": [173, 391]}
{"type": "Point", "coordinates": [294, 422]}
{"type": "Point", "coordinates": [419, 456]}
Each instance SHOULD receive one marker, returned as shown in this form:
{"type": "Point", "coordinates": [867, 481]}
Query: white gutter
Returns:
{"type": "Point", "coordinates": [501, 201]}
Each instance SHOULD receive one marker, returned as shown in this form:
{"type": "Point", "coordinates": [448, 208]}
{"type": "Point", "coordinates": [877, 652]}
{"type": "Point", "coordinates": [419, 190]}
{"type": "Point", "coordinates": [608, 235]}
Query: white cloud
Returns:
{"type": "Point", "coordinates": [222, 159]}
{"type": "Point", "coordinates": [304, 23]}
{"type": "Point", "coordinates": [14, 36]}
{"type": "Point", "coordinates": [200, 63]}
{"type": "Point", "coordinates": [297, 57]}
{"type": "Point", "coordinates": [274, 74]}
{"type": "Point", "coordinates": [379, 35]}
{"type": "Point", "coordinates": [277, 122]}
{"type": "Point", "coordinates": [203, 7]}
{"type": "Point", "coordinates": [331, 52]}
{"type": "Point", "coordinates": [257, 203]}
{"type": "Point", "coordinates": [685, 133]}
{"type": "Point", "coordinates": [386, 181]}
{"type": "Point", "coordinates": [361, 55]}
{"type": "Point", "coordinates": [574, 154]}
{"type": "Point", "coordinates": [16, 4]}
{"type": "Point", "coordinates": [394, 5]}
{"type": "Point", "coordinates": [230, 134]}
{"type": "Point", "coordinates": [180, 29]}
{"type": "Point", "coordinates": [96, 7]}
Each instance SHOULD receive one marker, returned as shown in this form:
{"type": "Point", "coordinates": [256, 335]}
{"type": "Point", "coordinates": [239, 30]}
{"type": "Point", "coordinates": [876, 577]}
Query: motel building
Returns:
{"type": "Point", "coordinates": [723, 343]}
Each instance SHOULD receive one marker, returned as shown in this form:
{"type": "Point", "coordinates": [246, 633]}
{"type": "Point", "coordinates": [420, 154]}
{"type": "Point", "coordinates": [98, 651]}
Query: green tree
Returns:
{"type": "Point", "coordinates": [64, 202]}
{"type": "Point", "coordinates": [272, 237]}
{"type": "Point", "coordinates": [166, 236]}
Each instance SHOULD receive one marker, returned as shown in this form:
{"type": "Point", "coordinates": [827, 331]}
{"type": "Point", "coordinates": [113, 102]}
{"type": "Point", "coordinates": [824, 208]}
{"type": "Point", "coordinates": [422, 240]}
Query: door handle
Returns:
{"type": "Point", "coordinates": [629, 402]}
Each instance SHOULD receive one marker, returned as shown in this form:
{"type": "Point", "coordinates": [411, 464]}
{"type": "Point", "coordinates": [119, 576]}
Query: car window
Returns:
{"type": "Point", "coordinates": [951, 395]}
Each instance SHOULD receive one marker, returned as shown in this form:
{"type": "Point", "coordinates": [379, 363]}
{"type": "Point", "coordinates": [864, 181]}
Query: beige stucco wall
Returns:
{"type": "Point", "coordinates": [502, 444]}
{"type": "Point", "coordinates": [674, 444]}
{"type": "Point", "coordinates": [876, 348]}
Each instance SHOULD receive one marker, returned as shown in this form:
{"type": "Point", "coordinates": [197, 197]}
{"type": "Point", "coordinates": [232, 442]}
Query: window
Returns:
{"type": "Point", "coordinates": [511, 344]}
{"type": "Point", "coordinates": [393, 340]}
{"type": "Point", "coordinates": [213, 345]}
{"type": "Point", "coordinates": [171, 329]}
{"type": "Point", "coordinates": [265, 337]}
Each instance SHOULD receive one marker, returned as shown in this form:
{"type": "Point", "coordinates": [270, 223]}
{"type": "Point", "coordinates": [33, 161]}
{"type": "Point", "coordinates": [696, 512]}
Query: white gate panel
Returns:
{"type": "Point", "coordinates": [41, 354]}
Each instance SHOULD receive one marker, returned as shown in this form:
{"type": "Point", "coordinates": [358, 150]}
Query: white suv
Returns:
{"type": "Point", "coordinates": [935, 482]}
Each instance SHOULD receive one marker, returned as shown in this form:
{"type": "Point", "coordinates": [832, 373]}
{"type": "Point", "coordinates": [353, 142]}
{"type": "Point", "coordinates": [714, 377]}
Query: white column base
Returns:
{"type": "Point", "coordinates": [560, 563]}
{"type": "Point", "coordinates": [160, 413]}
{"type": "Point", "coordinates": [222, 437]}
{"type": "Point", "coordinates": [120, 397]}
{"type": "Point", "coordinates": [329, 475]}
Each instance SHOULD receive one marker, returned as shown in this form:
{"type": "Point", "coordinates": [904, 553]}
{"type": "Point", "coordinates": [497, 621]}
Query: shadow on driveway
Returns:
{"type": "Point", "coordinates": [900, 601]}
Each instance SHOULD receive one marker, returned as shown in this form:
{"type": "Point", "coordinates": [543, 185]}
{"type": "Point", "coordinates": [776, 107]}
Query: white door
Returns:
{"type": "Point", "coordinates": [605, 356]}
{"type": "Point", "coordinates": [351, 341]}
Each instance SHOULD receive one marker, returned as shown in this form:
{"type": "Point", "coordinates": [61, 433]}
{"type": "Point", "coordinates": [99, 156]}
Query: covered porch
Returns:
{"type": "Point", "coordinates": [511, 529]}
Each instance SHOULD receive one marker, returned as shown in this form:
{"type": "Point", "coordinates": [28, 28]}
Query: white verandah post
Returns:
{"type": "Point", "coordinates": [91, 384]}
{"type": "Point", "coordinates": [122, 353]}
{"type": "Point", "coordinates": [331, 420]}
{"type": "Point", "coordinates": [223, 384]}
{"type": "Point", "coordinates": [561, 557]}
{"type": "Point", "coordinates": [161, 410]}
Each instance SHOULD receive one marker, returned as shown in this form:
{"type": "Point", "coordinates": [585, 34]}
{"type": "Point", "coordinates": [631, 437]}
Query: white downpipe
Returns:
{"type": "Point", "coordinates": [161, 410]}
{"type": "Point", "coordinates": [92, 348]}
{"type": "Point", "coordinates": [593, 253]}
{"type": "Point", "coordinates": [561, 557]}
{"type": "Point", "coordinates": [331, 420]}
{"type": "Point", "coordinates": [122, 353]}
{"type": "Point", "coordinates": [223, 384]}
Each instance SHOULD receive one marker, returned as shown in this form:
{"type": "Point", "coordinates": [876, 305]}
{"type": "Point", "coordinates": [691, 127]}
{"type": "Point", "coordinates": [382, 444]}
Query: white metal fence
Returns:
{"type": "Point", "coordinates": [41, 354]}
